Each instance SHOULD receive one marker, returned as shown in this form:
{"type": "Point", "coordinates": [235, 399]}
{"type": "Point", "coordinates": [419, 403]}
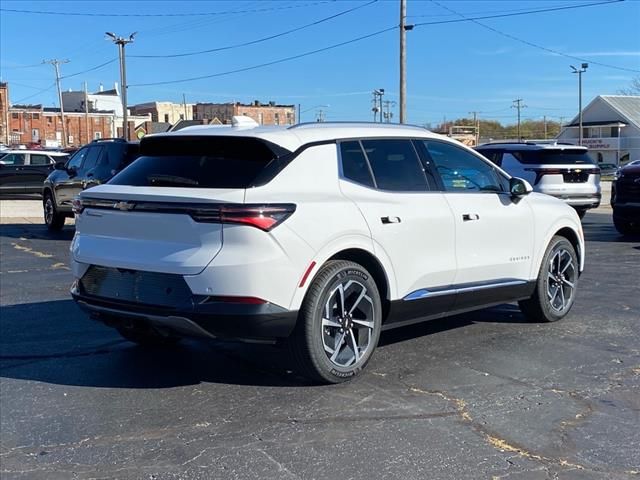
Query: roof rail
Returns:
{"type": "Point", "coordinates": [355, 123]}
{"type": "Point", "coordinates": [97, 140]}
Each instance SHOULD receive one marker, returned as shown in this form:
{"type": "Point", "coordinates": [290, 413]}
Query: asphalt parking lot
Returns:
{"type": "Point", "coordinates": [481, 395]}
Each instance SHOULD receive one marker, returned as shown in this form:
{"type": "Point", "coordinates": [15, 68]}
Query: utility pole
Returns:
{"type": "Point", "coordinates": [56, 65]}
{"type": "Point", "coordinates": [476, 124]}
{"type": "Point", "coordinates": [184, 105]}
{"type": "Point", "coordinates": [121, 42]}
{"type": "Point", "coordinates": [377, 103]}
{"type": "Point", "coordinates": [403, 62]}
{"type": "Point", "coordinates": [86, 112]}
{"type": "Point", "coordinates": [388, 114]}
{"type": "Point", "coordinates": [320, 115]}
{"type": "Point", "coordinates": [580, 71]}
{"type": "Point", "coordinates": [517, 103]}
{"type": "Point", "coordinates": [544, 119]}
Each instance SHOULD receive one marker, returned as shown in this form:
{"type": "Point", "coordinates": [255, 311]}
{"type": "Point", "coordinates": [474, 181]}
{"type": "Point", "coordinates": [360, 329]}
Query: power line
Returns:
{"type": "Point", "coordinates": [260, 40]}
{"type": "Point", "coordinates": [89, 69]}
{"type": "Point", "coordinates": [195, 14]}
{"type": "Point", "coordinates": [528, 12]}
{"type": "Point", "coordinates": [431, 15]}
{"type": "Point", "coordinates": [22, 66]}
{"type": "Point", "coordinates": [34, 94]}
{"type": "Point", "coordinates": [274, 62]}
{"type": "Point", "coordinates": [531, 44]}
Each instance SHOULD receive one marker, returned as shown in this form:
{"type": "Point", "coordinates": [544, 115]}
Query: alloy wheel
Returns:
{"type": "Point", "coordinates": [561, 280]}
{"type": "Point", "coordinates": [347, 324]}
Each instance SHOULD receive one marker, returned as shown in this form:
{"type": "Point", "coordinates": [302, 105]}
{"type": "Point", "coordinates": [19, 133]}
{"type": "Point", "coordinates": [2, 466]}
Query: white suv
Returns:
{"type": "Point", "coordinates": [561, 170]}
{"type": "Point", "coordinates": [321, 235]}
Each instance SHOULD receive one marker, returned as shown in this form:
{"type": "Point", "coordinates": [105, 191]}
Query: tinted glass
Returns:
{"type": "Point", "coordinates": [354, 163]}
{"type": "Point", "coordinates": [395, 165]}
{"type": "Point", "coordinates": [76, 160]}
{"type": "Point", "coordinates": [553, 157]}
{"type": "Point", "coordinates": [495, 156]}
{"type": "Point", "coordinates": [462, 171]}
{"type": "Point", "coordinates": [13, 159]}
{"type": "Point", "coordinates": [197, 162]}
{"type": "Point", "coordinates": [91, 161]}
{"type": "Point", "coordinates": [37, 159]}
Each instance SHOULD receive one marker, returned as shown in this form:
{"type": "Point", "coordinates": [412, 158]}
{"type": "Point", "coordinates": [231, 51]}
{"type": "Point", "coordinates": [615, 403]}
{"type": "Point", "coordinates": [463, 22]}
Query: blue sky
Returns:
{"type": "Point", "coordinates": [452, 68]}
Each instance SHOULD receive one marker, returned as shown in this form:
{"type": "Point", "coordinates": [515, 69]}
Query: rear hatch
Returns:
{"type": "Point", "coordinates": [561, 169]}
{"type": "Point", "coordinates": [165, 211]}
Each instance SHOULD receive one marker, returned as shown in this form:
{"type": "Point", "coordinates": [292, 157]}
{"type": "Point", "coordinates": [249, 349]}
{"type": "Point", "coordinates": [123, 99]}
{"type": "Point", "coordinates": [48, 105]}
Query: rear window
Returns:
{"type": "Point", "coordinates": [197, 162]}
{"type": "Point", "coordinates": [553, 157]}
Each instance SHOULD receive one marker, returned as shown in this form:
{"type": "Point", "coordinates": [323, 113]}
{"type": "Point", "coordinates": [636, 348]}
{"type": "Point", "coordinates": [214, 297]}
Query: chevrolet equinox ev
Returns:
{"type": "Point", "coordinates": [316, 236]}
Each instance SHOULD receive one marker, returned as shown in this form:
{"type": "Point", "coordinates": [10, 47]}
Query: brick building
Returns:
{"type": "Point", "coordinates": [33, 124]}
{"type": "Point", "coordinates": [164, 112]}
{"type": "Point", "coordinates": [4, 112]}
{"type": "Point", "coordinates": [264, 114]}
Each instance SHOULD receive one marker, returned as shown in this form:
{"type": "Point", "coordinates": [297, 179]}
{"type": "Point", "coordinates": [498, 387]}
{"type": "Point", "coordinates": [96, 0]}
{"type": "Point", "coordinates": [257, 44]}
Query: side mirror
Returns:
{"type": "Point", "coordinates": [519, 187]}
{"type": "Point", "coordinates": [59, 165]}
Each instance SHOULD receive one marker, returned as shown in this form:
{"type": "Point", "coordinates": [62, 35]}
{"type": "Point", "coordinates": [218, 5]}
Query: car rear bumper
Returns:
{"type": "Point", "coordinates": [197, 318]}
{"type": "Point", "coordinates": [585, 201]}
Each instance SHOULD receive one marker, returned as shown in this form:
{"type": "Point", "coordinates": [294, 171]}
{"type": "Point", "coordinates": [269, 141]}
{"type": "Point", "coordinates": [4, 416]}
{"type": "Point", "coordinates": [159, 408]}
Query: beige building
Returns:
{"type": "Point", "coordinates": [265, 114]}
{"type": "Point", "coordinates": [164, 112]}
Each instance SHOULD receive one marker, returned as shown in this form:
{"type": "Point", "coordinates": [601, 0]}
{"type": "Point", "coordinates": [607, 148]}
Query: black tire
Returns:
{"type": "Point", "coordinates": [146, 336]}
{"type": "Point", "coordinates": [624, 227]}
{"type": "Point", "coordinates": [540, 308]}
{"type": "Point", "coordinates": [308, 343]}
{"type": "Point", "coordinates": [52, 218]}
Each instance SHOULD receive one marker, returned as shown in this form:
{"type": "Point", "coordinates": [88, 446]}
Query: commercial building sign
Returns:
{"type": "Point", "coordinates": [604, 143]}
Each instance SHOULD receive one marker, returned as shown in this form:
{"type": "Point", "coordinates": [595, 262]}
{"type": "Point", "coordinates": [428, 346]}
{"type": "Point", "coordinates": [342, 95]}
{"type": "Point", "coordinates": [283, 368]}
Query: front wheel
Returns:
{"type": "Point", "coordinates": [339, 323]}
{"type": "Point", "coordinates": [52, 218]}
{"type": "Point", "coordinates": [556, 284]}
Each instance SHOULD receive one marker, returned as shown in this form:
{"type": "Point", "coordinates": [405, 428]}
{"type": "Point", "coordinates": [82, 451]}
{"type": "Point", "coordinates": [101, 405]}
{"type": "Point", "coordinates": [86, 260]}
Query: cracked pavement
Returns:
{"type": "Point", "coordinates": [480, 395]}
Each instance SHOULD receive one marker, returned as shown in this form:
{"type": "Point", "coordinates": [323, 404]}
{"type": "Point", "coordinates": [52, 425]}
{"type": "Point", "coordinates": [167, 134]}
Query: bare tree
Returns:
{"type": "Point", "coordinates": [632, 89]}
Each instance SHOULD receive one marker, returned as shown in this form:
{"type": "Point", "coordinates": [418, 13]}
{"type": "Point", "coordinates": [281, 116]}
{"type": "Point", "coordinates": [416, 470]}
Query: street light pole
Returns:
{"type": "Point", "coordinates": [56, 65]}
{"type": "Point", "coordinates": [580, 71]}
{"type": "Point", "coordinates": [121, 42]}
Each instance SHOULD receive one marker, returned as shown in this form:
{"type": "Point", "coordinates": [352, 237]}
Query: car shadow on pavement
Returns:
{"type": "Point", "coordinates": [30, 230]}
{"type": "Point", "coordinates": [54, 342]}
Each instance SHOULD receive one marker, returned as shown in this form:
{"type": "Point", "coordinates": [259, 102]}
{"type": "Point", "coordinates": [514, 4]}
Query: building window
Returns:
{"type": "Point", "coordinates": [49, 120]}
{"type": "Point", "coordinates": [166, 118]}
{"type": "Point", "coordinates": [615, 131]}
{"type": "Point", "coordinates": [35, 116]}
{"type": "Point", "coordinates": [97, 135]}
{"type": "Point", "coordinates": [182, 116]}
{"type": "Point", "coordinates": [260, 118]}
{"type": "Point", "coordinates": [600, 157]}
{"type": "Point", "coordinates": [35, 134]}
{"type": "Point", "coordinates": [14, 115]}
{"type": "Point", "coordinates": [277, 119]}
{"type": "Point", "coordinates": [96, 120]}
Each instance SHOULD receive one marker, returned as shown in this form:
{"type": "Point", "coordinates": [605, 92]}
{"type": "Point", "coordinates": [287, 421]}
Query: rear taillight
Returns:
{"type": "Point", "coordinates": [76, 206]}
{"type": "Point", "coordinates": [264, 217]}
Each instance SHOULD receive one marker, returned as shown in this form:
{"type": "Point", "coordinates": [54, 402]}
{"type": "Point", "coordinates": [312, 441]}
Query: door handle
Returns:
{"type": "Point", "coordinates": [468, 217]}
{"type": "Point", "coordinates": [386, 220]}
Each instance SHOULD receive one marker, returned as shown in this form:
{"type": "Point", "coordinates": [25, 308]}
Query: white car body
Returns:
{"type": "Point", "coordinates": [449, 251]}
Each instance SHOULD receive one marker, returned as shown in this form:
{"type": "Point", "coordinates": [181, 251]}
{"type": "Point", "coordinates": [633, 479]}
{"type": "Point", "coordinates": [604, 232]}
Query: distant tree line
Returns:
{"type": "Point", "coordinates": [529, 129]}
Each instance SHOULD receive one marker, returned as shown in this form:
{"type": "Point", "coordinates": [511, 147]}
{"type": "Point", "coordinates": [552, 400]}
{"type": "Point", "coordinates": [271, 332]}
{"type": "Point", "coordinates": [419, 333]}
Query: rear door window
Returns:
{"type": "Point", "coordinates": [91, 161]}
{"type": "Point", "coordinates": [13, 159]}
{"type": "Point", "coordinates": [198, 162]}
{"type": "Point", "coordinates": [354, 164]}
{"type": "Point", "coordinates": [395, 165]}
{"type": "Point", "coordinates": [76, 160]}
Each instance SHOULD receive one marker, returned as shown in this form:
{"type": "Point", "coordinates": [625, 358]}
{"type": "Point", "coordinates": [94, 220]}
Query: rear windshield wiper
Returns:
{"type": "Point", "coordinates": [159, 179]}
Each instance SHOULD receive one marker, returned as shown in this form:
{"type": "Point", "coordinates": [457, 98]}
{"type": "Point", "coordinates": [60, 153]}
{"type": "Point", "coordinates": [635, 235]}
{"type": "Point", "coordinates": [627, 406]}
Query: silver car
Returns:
{"type": "Point", "coordinates": [561, 170]}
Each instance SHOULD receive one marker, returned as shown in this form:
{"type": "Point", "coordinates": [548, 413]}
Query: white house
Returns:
{"type": "Point", "coordinates": [610, 128]}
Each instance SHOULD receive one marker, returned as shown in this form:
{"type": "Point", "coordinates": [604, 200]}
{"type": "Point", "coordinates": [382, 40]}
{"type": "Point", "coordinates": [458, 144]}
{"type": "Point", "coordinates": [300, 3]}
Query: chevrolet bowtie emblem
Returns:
{"type": "Point", "coordinates": [124, 206]}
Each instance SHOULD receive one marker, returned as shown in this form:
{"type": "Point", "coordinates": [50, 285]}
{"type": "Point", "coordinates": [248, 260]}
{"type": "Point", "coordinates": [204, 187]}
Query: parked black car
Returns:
{"type": "Point", "coordinates": [24, 171]}
{"type": "Point", "coordinates": [625, 199]}
{"type": "Point", "coordinates": [92, 165]}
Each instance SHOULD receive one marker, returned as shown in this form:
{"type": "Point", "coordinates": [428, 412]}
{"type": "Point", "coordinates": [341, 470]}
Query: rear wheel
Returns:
{"type": "Point", "coordinates": [146, 336]}
{"type": "Point", "coordinates": [339, 323]}
{"type": "Point", "coordinates": [556, 284]}
{"type": "Point", "coordinates": [53, 219]}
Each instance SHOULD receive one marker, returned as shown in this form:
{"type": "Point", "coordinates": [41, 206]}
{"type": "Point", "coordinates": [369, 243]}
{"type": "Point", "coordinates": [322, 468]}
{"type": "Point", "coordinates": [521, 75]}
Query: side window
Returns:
{"type": "Point", "coordinates": [76, 160]}
{"type": "Point", "coordinates": [354, 163]}
{"type": "Point", "coordinates": [13, 159]}
{"type": "Point", "coordinates": [37, 159]}
{"type": "Point", "coordinates": [395, 165]}
{"type": "Point", "coordinates": [93, 155]}
{"type": "Point", "coordinates": [462, 171]}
